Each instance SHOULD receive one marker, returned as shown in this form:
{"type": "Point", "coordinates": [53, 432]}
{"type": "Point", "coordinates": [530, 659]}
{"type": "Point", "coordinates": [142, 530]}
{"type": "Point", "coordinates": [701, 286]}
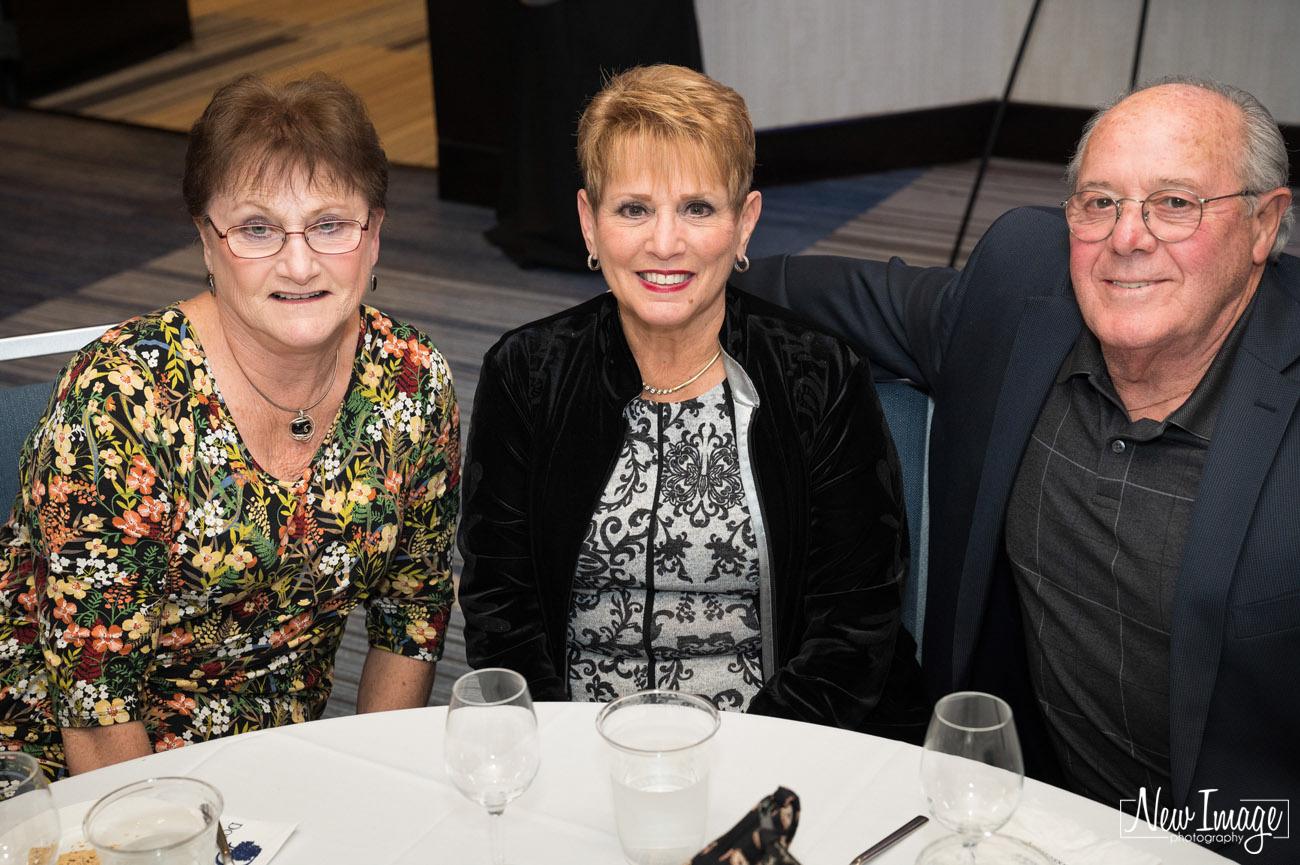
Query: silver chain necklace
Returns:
{"type": "Point", "coordinates": [661, 391]}
{"type": "Point", "coordinates": [303, 426]}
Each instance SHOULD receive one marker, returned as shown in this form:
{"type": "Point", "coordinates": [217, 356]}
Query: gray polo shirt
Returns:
{"type": "Point", "coordinates": [1095, 529]}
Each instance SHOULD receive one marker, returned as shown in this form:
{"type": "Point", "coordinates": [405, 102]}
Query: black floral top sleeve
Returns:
{"type": "Point", "coordinates": [152, 571]}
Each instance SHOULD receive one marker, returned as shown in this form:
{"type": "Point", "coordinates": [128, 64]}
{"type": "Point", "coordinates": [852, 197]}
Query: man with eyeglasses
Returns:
{"type": "Point", "coordinates": [1115, 456]}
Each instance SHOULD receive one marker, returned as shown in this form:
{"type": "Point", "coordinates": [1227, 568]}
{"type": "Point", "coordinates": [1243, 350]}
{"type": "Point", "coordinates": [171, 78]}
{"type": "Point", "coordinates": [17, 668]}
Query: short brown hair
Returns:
{"type": "Point", "coordinates": [675, 108]}
{"type": "Point", "coordinates": [257, 132]}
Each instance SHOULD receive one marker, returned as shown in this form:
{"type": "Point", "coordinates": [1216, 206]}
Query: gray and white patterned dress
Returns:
{"type": "Point", "coordinates": [666, 589]}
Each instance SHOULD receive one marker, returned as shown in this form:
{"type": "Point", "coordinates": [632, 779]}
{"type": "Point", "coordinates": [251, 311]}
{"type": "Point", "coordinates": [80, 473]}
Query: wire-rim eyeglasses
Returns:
{"type": "Point", "coordinates": [263, 240]}
{"type": "Point", "coordinates": [1171, 215]}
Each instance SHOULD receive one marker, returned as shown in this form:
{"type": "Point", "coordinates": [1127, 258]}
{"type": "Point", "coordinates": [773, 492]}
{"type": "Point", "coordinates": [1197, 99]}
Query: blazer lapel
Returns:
{"type": "Point", "coordinates": [1048, 330]}
{"type": "Point", "coordinates": [1256, 411]}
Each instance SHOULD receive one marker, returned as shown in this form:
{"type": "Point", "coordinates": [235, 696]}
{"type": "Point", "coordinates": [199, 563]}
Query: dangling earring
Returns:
{"type": "Point", "coordinates": [745, 259]}
{"type": "Point", "coordinates": [592, 262]}
{"type": "Point", "coordinates": [212, 285]}
{"type": "Point", "coordinates": [374, 282]}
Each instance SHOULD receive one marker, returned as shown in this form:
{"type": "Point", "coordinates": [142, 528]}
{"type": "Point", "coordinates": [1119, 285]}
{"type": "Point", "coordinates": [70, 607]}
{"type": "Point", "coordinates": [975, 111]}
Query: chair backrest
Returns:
{"type": "Point", "coordinates": [20, 408]}
{"type": "Point", "coordinates": [907, 411]}
{"type": "Point", "coordinates": [49, 342]}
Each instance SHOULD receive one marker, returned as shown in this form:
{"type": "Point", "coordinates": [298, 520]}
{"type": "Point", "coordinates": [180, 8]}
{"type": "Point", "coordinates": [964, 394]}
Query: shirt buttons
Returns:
{"type": "Point", "coordinates": [1118, 446]}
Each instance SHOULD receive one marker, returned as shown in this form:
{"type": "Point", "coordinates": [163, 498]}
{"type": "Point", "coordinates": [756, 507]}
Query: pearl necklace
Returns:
{"type": "Point", "coordinates": [662, 391]}
{"type": "Point", "coordinates": [303, 426]}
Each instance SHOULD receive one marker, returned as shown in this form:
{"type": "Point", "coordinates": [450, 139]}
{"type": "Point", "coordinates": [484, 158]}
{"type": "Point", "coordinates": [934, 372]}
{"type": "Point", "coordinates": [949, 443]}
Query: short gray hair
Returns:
{"type": "Point", "coordinates": [1265, 163]}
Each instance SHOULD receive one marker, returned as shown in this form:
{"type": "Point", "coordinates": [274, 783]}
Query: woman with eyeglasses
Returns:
{"type": "Point", "coordinates": [217, 484]}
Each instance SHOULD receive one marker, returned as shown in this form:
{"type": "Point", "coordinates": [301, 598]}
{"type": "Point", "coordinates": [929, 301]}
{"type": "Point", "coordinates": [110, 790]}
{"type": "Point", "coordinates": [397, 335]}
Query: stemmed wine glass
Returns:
{"type": "Point", "coordinates": [972, 775]}
{"type": "Point", "coordinates": [491, 750]}
{"type": "Point", "coordinates": [29, 824]}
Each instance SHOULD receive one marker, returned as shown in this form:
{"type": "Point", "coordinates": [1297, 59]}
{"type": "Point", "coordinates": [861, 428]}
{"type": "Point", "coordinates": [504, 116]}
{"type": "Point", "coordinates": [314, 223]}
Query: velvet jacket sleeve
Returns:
{"type": "Point", "coordinates": [499, 590]}
{"type": "Point", "coordinates": [843, 569]}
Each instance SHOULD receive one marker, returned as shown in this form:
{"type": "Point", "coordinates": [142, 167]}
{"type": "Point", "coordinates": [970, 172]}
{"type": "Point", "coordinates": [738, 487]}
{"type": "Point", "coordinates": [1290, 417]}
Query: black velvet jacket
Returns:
{"type": "Point", "coordinates": [547, 427]}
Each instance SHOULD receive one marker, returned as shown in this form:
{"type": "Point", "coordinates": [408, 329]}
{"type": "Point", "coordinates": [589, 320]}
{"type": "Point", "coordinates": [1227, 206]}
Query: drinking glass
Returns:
{"type": "Point", "coordinates": [659, 773]}
{"type": "Point", "coordinates": [491, 750]}
{"type": "Point", "coordinates": [29, 823]}
{"type": "Point", "coordinates": [165, 819]}
{"type": "Point", "coordinates": [972, 775]}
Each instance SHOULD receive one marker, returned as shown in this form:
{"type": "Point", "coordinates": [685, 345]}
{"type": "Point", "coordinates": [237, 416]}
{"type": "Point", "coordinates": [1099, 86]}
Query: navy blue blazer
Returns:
{"type": "Point", "coordinates": [986, 343]}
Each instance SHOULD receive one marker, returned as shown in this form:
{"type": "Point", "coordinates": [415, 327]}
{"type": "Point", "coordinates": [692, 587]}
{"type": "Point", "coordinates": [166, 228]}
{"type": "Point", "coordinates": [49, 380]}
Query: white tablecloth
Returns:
{"type": "Point", "coordinates": [371, 789]}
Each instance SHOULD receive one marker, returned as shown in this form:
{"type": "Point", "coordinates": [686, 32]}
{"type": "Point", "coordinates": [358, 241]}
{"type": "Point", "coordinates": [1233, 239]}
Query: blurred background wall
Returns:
{"type": "Point", "coordinates": [811, 61]}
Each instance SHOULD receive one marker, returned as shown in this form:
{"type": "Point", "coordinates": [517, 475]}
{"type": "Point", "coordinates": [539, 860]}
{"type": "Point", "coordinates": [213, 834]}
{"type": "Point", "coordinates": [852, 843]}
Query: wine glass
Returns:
{"type": "Point", "coordinates": [972, 775]}
{"type": "Point", "coordinates": [29, 823]}
{"type": "Point", "coordinates": [491, 750]}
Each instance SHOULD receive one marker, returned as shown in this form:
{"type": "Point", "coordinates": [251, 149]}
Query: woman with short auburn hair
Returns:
{"type": "Point", "coordinates": [677, 485]}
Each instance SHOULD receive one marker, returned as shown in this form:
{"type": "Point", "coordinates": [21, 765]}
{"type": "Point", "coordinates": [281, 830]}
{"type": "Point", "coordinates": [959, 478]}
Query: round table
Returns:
{"type": "Point", "coordinates": [371, 789]}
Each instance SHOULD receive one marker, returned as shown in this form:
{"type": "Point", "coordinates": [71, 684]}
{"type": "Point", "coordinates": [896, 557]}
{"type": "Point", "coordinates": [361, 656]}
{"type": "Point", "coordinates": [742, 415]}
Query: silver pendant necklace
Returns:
{"type": "Point", "coordinates": [661, 391]}
{"type": "Point", "coordinates": [302, 427]}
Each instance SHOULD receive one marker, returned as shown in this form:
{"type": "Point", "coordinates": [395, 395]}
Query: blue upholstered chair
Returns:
{"type": "Point", "coordinates": [20, 408]}
{"type": "Point", "coordinates": [907, 411]}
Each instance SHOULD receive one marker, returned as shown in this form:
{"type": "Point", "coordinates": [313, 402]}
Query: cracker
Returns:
{"type": "Point", "coordinates": [81, 856]}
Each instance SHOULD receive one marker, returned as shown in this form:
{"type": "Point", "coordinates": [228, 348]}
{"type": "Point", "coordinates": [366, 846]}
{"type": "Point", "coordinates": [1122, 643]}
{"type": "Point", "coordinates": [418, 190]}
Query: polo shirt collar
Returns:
{"type": "Point", "coordinates": [1198, 414]}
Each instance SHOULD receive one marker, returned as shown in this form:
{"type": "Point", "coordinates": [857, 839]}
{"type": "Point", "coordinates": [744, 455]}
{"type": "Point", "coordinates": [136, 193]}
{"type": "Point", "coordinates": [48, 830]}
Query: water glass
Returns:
{"type": "Point", "coordinates": [169, 819]}
{"type": "Point", "coordinates": [659, 771]}
{"type": "Point", "coordinates": [29, 823]}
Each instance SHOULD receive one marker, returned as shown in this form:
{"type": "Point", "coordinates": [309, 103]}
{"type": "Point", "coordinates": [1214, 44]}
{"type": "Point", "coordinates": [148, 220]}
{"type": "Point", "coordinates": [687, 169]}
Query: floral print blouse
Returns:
{"type": "Point", "coordinates": [152, 571]}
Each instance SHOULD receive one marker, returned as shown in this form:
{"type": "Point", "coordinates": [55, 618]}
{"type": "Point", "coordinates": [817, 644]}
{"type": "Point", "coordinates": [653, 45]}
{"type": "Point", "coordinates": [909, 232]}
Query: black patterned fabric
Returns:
{"type": "Point", "coordinates": [666, 589]}
{"type": "Point", "coordinates": [826, 502]}
{"type": "Point", "coordinates": [762, 837]}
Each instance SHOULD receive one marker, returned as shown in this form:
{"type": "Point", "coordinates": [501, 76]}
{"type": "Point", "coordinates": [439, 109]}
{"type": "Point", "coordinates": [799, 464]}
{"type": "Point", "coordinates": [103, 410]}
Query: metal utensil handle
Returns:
{"type": "Point", "coordinates": [223, 846]}
{"type": "Point", "coordinates": [891, 839]}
